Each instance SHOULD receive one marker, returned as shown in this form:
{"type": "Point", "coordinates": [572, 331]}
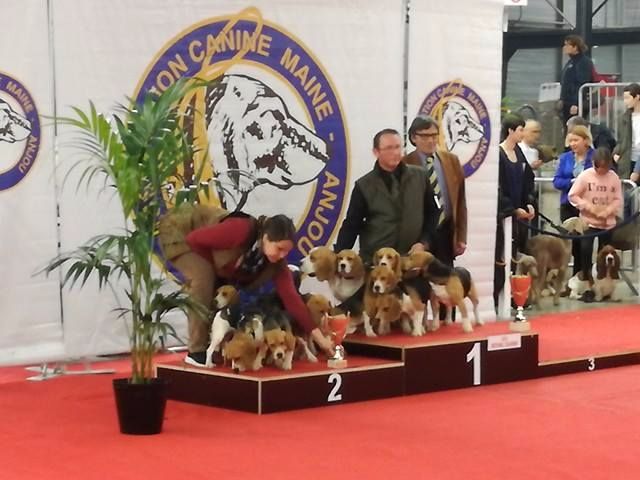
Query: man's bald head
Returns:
{"type": "Point", "coordinates": [532, 132]}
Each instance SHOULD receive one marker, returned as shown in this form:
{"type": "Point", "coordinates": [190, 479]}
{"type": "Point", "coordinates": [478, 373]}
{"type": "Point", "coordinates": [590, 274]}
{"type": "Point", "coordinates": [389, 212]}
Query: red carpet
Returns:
{"type": "Point", "coordinates": [588, 333]}
{"type": "Point", "coordinates": [583, 426]}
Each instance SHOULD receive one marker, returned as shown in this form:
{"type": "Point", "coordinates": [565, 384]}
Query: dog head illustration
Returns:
{"type": "Point", "coordinates": [459, 125]}
{"type": "Point", "coordinates": [251, 130]}
{"type": "Point", "coordinates": [13, 126]}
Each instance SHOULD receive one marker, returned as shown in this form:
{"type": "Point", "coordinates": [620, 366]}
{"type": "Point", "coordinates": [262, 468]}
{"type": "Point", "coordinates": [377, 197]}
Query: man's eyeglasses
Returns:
{"type": "Point", "coordinates": [390, 148]}
{"type": "Point", "coordinates": [426, 135]}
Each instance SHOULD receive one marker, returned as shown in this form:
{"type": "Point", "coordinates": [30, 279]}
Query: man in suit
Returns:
{"type": "Point", "coordinates": [447, 180]}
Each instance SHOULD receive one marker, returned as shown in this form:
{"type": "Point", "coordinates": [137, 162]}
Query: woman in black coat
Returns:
{"type": "Point", "coordinates": [516, 195]}
{"type": "Point", "coordinates": [576, 72]}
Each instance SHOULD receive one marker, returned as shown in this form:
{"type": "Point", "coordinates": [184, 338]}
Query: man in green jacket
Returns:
{"type": "Point", "coordinates": [391, 206]}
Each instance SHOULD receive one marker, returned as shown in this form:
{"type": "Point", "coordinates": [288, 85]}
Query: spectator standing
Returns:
{"type": "Point", "coordinates": [627, 152]}
{"type": "Point", "coordinates": [516, 195]}
{"type": "Point", "coordinates": [576, 72]}
{"type": "Point", "coordinates": [529, 145]}
{"type": "Point", "coordinates": [570, 165]}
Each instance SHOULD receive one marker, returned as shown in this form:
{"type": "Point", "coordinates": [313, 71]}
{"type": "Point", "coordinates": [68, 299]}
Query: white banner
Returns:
{"type": "Point", "coordinates": [304, 87]}
{"type": "Point", "coordinates": [30, 324]}
{"type": "Point", "coordinates": [455, 62]}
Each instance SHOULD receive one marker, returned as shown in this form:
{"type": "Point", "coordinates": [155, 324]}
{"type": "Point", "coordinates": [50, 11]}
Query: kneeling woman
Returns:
{"type": "Point", "coordinates": [246, 252]}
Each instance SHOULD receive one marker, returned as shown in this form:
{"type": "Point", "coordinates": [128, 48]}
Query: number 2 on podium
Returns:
{"type": "Point", "coordinates": [334, 396]}
{"type": "Point", "coordinates": [474, 356]}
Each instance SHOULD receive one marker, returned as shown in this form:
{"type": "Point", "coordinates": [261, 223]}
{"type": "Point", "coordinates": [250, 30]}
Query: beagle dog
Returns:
{"type": "Point", "coordinates": [350, 275]}
{"type": "Point", "coordinates": [281, 346]}
{"type": "Point", "coordinates": [381, 281]}
{"type": "Point", "coordinates": [225, 320]}
{"type": "Point", "coordinates": [450, 287]}
{"type": "Point", "coordinates": [244, 352]}
{"type": "Point", "coordinates": [413, 297]}
{"type": "Point", "coordinates": [320, 308]}
{"type": "Point", "coordinates": [344, 271]}
{"type": "Point", "coordinates": [320, 263]}
{"type": "Point", "coordinates": [606, 274]}
{"type": "Point", "coordinates": [388, 310]}
{"type": "Point", "coordinates": [388, 257]}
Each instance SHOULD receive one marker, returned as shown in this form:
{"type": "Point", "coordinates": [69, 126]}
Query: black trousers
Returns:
{"type": "Point", "coordinates": [586, 249]}
{"type": "Point", "coordinates": [442, 249]}
{"type": "Point", "coordinates": [567, 211]}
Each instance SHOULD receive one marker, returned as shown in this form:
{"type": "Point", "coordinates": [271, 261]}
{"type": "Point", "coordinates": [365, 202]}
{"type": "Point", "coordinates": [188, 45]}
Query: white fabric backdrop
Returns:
{"type": "Point", "coordinates": [105, 50]}
{"type": "Point", "coordinates": [30, 322]}
{"type": "Point", "coordinates": [455, 57]}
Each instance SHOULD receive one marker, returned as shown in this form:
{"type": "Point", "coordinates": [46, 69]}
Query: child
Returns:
{"type": "Point", "coordinates": [597, 194]}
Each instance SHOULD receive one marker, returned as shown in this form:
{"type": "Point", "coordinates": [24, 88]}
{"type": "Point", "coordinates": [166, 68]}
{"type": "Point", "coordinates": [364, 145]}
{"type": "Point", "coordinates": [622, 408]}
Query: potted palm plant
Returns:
{"type": "Point", "coordinates": [139, 151]}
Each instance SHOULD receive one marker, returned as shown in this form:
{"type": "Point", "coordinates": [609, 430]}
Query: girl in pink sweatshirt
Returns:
{"type": "Point", "coordinates": [597, 193]}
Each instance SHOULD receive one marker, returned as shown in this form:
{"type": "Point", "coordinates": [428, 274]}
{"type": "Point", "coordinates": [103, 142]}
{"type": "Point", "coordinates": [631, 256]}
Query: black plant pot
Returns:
{"type": "Point", "coordinates": [140, 406]}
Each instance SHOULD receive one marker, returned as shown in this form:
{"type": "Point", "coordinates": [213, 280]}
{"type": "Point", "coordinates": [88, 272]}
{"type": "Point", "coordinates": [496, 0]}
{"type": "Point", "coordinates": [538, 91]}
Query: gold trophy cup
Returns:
{"type": "Point", "coordinates": [338, 327]}
{"type": "Point", "coordinates": [520, 286]}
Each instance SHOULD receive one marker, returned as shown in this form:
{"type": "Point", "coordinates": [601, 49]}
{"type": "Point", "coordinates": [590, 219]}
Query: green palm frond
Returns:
{"type": "Point", "coordinates": [136, 153]}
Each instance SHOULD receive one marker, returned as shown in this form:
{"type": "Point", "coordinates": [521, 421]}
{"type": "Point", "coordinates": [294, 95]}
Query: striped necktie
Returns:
{"type": "Point", "coordinates": [437, 193]}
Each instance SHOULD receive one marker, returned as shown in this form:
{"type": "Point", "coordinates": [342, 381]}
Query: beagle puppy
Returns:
{"type": "Point", "coordinates": [606, 274]}
{"type": "Point", "coordinates": [281, 346]}
{"type": "Point", "coordinates": [344, 271]}
{"type": "Point", "coordinates": [388, 310]}
{"type": "Point", "coordinates": [244, 352]}
{"type": "Point", "coordinates": [320, 308]}
{"type": "Point", "coordinates": [388, 257]}
{"type": "Point", "coordinates": [320, 263]}
{"type": "Point", "coordinates": [225, 303]}
{"type": "Point", "coordinates": [350, 275]}
{"type": "Point", "coordinates": [450, 287]}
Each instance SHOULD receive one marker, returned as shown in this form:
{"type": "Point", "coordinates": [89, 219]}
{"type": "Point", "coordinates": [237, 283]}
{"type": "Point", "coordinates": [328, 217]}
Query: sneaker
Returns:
{"type": "Point", "coordinates": [197, 359]}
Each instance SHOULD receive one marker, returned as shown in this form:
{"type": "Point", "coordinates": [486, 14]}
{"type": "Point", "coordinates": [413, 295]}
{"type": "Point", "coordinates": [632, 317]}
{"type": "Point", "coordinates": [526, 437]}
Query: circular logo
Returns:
{"type": "Point", "coordinates": [465, 128]}
{"type": "Point", "coordinates": [270, 127]}
{"type": "Point", "coordinates": [19, 131]}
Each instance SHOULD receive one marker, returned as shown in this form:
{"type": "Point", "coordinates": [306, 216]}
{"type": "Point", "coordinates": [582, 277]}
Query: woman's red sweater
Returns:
{"type": "Point", "coordinates": [233, 233]}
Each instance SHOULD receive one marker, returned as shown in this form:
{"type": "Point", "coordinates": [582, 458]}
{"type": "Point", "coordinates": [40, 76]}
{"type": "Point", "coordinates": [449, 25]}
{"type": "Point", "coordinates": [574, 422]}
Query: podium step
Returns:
{"type": "Point", "coordinates": [271, 390]}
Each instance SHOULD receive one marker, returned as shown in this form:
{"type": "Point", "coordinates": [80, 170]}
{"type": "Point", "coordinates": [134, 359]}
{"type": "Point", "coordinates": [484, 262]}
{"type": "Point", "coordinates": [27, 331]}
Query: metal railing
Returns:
{"type": "Point", "coordinates": [604, 102]}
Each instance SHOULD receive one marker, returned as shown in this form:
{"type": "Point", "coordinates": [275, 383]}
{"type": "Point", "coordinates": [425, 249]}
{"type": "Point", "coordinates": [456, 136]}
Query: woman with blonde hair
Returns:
{"type": "Point", "coordinates": [570, 165]}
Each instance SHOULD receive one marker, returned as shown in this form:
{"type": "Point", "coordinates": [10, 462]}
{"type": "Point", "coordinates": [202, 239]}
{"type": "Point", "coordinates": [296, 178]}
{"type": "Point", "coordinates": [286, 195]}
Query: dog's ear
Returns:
{"type": "Point", "coordinates": [325, 265]}
{"type": "Point", "coordinates": [290, 340]}
{"type": "Point", "coordinates": [405, 264]}
{"type": "Point", "coordinates": [228, 336]}
{"type": "Point", "coordinates": [601, 268]}
{"type": "Point", "coordinates": [615, 271]}
{"type": "Point", "coordinates": [357, 267]}
{"type": "Point", "coordinates": [393, 279]}
{"type": "Point", "coordinates": [376, 257]}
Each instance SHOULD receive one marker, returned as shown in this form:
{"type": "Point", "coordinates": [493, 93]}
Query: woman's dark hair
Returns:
{"type": "Point", "coordinates": [511, 121]}
{"type": "Point", "coordinates": [576, 41]}
{"type": "Point", "coordinates": [278, 228]}
{"type": "Point", "coordinates": [602, 158]}
{"type": "Point", "coordinates": [633, 89]}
